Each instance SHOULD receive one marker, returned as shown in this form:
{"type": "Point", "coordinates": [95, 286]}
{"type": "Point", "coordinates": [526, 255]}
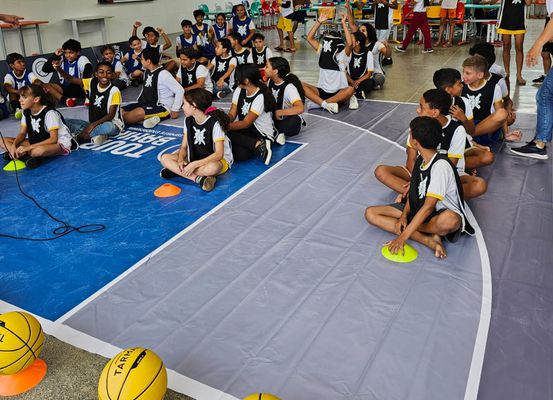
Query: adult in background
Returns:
{"type": "Point", "coordinates": [544, 101]}
{"type": "Point", "coordinates": [511, 22]}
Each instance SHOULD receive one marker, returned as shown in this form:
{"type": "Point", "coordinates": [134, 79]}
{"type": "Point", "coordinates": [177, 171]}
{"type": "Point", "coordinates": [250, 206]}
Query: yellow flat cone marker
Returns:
{"type": "Point", "coordinates": [14, 165]}
{"type": "Point", "coordinates": [410, 254]}
{"type": "Point", "coordinates": [261, 396]}
{"type": "Point", "coordinates": [167, 190]}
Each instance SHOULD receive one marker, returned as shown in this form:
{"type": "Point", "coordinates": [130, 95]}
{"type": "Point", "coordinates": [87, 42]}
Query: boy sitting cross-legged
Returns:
{"type": "Point", "coordinates": [435, 206]}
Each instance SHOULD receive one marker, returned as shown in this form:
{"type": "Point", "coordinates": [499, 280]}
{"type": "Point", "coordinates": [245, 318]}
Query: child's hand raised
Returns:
{"type": "Point", "coordinates": [323, 16]}
{"type": "Point", "coordinates": [137, 24]}
{"type": "Point", "coordinates": [56, 64]}
{"type": "Point", "coordinates": [160, 30]}
{"type": "Point", "coordinates": [58, 52]}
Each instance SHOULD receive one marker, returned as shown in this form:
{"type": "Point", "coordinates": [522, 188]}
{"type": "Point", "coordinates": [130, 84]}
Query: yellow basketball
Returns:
{"type": "Point", "coordinates": [261, 396]}
{"type": "Point", "coordinates": [21, 341]}
{"type": "Point", "coordinates": [133, 374]}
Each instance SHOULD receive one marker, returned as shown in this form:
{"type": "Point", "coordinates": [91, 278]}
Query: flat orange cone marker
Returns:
{"type": "Point", "coordinates": [23, 381]}
{"type": "Point", "coordinates": [167, 190]}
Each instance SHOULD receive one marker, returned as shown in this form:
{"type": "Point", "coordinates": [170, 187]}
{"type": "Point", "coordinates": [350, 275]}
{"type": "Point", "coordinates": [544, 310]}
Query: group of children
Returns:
{"type": "Point", "coordinates": [447, 144]}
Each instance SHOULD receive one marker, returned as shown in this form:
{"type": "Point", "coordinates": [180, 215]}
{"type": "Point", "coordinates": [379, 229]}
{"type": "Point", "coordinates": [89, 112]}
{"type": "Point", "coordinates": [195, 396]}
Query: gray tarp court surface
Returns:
{"type": "Point", "coordinates": [284, 290]}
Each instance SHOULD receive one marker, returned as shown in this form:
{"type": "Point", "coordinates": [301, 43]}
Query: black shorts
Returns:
{"type": "Point", "coordinates": [150, 110]}
{"type": "Point", "coordinates": [451, 237]}
{"type": "Point", "coordinates": [325, 95]}
{"type": "Point", "coordinates": [299, 16]}
{"type": "Point", "coordinates": [548, 47]}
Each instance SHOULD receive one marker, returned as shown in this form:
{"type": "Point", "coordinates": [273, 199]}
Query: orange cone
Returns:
{"type": "Point", "coordinates": [167, 190]}
{"type": "Point", "coordinates": [23, 381]}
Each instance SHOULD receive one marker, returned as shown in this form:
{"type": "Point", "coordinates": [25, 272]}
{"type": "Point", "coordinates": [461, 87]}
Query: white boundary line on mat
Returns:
{"type": "Point", "coordinates": [145, 259]}
{"type": "Point", "coordinates": [176, 381]}
{"type": "Point", "coordinates": [475, 371]}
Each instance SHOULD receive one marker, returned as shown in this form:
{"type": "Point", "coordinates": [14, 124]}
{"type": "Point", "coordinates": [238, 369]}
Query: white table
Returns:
{"type": "Point", "coordinates": [89, 24]}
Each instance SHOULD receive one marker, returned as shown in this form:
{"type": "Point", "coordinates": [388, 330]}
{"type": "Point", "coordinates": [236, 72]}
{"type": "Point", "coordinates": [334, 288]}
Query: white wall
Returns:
{"type": "Point", "coordinates": [164, 13]}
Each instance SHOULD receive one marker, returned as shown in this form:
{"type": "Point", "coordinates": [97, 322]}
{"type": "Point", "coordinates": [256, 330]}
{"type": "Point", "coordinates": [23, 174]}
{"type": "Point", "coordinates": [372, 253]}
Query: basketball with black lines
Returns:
{"type": "Point", "coordinates": [21, 341]}
{"type": "Point", "coordinates": [133, 374]}
{"type": "Point", "coordinates": [261, 396]}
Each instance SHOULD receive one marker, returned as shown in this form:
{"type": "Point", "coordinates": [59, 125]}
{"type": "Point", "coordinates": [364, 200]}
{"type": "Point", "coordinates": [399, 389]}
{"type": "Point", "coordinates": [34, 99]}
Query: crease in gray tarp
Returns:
{"type": "Point", "coordinates": [289, 294]}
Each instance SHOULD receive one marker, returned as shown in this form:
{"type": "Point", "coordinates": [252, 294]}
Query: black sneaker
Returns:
{"type": "Point", "coordinates": [400, 49]}
{"type": "Point", "coordinates": [6, 156]}
{"type": "Point", "coordinates": [539, 80]}
{"type": "Point", "coordinates": [207, 183]}
{"type": "Point", "coordinates": [532, 151]}
{"type": "Point", "coordinates": [33, 162]}
{"type": "Point", "coordinates": [264, 151]}
{"type": "Point", "coordinates": [167, 173]}
{"type": "Point", "coordinates": [387, 61]}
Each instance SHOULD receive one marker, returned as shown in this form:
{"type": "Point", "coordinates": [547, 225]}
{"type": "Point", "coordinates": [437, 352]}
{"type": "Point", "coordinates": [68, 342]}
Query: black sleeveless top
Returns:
{"type": "Point", "coordinates": [200, 138]}
{"type": "Point", "coordinates": [480, 100]}
{"type": "Point", "coordinates": [36, 126]}
{"type": "Point", "coordinates": [259, 58]}
{"type": "Point", "coordinates": [241, 58]}
{"type": "Point", "coordinates": [188, 77]}
{"type": "Point", "coordinates": [149, 93]}
{"type": "Point", "coordinates": [358, 64]}
{"type": "Point", "coordinates": [381, 16]}
{"type": "Point", "coordinates": [243, 105]}
{"type": "Point", "coordinates": [330, 47]}
{"type": "Point", "coordinates": [99, 106]}
{"type": "Point", "coordinates": [221, 66]}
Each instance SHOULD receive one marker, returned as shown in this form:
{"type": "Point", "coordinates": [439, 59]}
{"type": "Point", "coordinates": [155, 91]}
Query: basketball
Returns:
{"type": "Point", "coordinates": [133, 374]}
{"type": "Point", "coordinates": [21, 340]}
{"type": "Point", "coordinates": [261, 396]}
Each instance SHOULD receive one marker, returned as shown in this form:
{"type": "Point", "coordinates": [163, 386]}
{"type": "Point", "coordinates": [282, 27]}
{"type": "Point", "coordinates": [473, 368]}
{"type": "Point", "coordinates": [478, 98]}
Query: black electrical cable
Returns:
{"type": "Point", "coordinates": [60, 231]}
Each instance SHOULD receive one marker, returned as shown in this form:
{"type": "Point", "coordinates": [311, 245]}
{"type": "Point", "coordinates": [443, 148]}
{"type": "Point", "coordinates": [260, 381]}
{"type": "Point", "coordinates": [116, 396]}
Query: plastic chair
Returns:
{"type": "Point", "coordinates": [397, 19]}
{"type": "Point", "coordinates": [265, 14]}
{"type": "Point", "coordinates": [205, 9]}
{"type": "Point", "coordinates": [275, 11]}
{"type": "Point", "coordinates": [255, 12]}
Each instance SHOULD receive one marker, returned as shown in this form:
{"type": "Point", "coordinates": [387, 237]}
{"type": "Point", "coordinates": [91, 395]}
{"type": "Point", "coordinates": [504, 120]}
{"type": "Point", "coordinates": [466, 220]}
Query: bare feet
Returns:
{"type": "Point", "coordinates": [513, 136]}
{"type": "Point", "coordinates": [521, 81]}
{"type": "Point", "coordinates": [438, 43]}
{"type": "Point", "coordinates": [447, 44]}
{"type": "Point", "coordinates": [439, 249]}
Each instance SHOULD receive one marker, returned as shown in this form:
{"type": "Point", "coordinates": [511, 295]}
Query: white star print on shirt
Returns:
{"type": "Point", "coordinates": [275, 93]}
{"type": "Point", "coordinates": [199, 136]}
{"type": "Point", "coordinates": [71, 71]}
{"type": "Point", "coordinates": [517, 1]}
{"type": "Point", "coordinates": [190, 79]}
{"type": "Point", "coordinates": [327, 46]}
{"type": "Point", "coordinates": [474, 101]}
{"type": "Point", "coordinates": [19, 84]}
{"type": "Point", "coordinates": [422, 188]}
{"type": "Point", "coordinates": [221, 66]}
{"type": "Point", "coordinates": [242, 30]}
{"type": "Point", "coordinates": [240, 59]}
{"type": "Point", "coordinates": [380, 5]}
{"type": "Point", "coordinates": [148, 82]}
{"type": "Point", "coordinates": [260, 59]}
{"type": "Point", "coordinates": [245, 108]}
{"type": "Point", "coordinates": [35, 124]}
{"type": "Point", "coordinates": [98, 101]}
{"type": "Point", "coordinates": [356, 62]}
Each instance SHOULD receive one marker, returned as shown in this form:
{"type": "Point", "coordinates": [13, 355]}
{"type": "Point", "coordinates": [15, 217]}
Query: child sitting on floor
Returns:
{"type": "Point", "coordinates": [360, 67]}
{"type": "Point", "coordinates": [75, 65]}
{"type": "Point", "coordinates": [192, 74]}
{"type": "Point", "coordinates": [243, 25]}
{"type": "Point", "coordinates": [205, 150]}
{"type": "Point", "coordinates": [242, 54]}
{"type": "Point", "coordinates": [119, 76]}
{"type": "Point", "coordinates": [222, 69]}
{"type": "Point", "coordinates": [435, 206]}
{"type": "Point", "coordinates": [449, 80]}
{"type": "Point", "coordinates": [42, 124]}
{"type": "Point", "coordinates": [220, 29]}
{"type": "Point", "coordinates": [260, 53]}
{"type": "Point", "coordinates": [17, 77]}
{"type": "Point", "coordinates": [251, 130]}
{"type": "Point", "coordinates": [131, 61]}
{"type": "Point", "coordinates": [161, 95]}
{"type": "Point", "coordinates": [104, 111]}
{"type": "Point", "coordinates": [333, 87]}
{"type": "Point", "coordinates": [289, 95]}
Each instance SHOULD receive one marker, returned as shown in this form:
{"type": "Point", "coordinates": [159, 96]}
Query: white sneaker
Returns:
{"type": "Point", "coordinates": [332, 108]}
{"type": "Point", "coordinates": [99, 139]}
{"type": "Point", "coordinates": [353, 103]}
{"type": "Point", "coordinates": [310, 105]}
{"type": "Point", "coordinates": [151, 122]}
{"type": "Point", "coordinates": [281, 139]}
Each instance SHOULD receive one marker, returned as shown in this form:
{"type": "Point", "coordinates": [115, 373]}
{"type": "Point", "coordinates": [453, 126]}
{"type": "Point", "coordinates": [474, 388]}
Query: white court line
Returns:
{"type": "Point", "coordinates": [144, 260]}
{"type": "Point", "coordinates": [475, 371]}
{"type": "Point", "coordinates": [176, 381]}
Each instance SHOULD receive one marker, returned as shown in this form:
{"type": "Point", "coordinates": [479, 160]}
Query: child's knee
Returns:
{"type": "Point", "coordinates": [487, 158]}
{"type": "Point", "coordinates": [371, 215]}
{"type": "Point", "coordinates": [380, 172]}
{"type": "Point", "coordinates": [449, 222]}
{"type": "Point", "coordinates": [480, 186]}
